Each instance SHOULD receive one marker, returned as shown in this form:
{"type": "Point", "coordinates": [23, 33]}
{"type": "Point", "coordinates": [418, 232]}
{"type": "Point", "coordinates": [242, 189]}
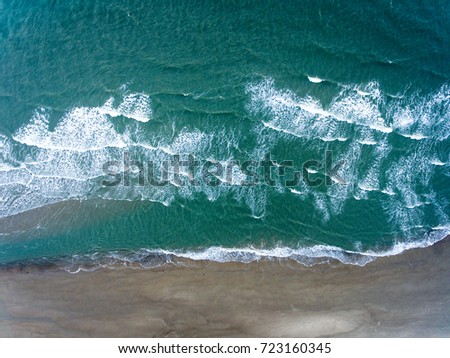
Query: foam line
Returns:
{"type": "Point", "coordinates": [317, 254]}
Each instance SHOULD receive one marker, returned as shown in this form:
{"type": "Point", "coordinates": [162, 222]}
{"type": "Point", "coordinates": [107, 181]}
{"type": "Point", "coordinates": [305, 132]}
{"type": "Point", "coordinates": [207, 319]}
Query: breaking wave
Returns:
{"type": "Point", "coordinates": [361, 123]}
{"type": "Point", "coordinates": [308, 256]}
{"type": "Point", "coordinates": [47, 161]}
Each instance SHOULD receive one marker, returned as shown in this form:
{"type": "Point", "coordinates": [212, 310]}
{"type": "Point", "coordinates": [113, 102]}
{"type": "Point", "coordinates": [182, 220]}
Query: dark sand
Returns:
{"type": "Point", "coordinates": [401, 296]}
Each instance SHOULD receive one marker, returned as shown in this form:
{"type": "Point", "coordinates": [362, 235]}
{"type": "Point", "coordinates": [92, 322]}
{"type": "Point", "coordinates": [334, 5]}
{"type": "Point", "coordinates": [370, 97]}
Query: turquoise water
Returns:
{"type": "Point", "coordinates": [355, 95]}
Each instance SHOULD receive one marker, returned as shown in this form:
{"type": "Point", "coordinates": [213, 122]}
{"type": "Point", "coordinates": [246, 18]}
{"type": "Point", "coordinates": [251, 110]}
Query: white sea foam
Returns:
{"type": "Point", "coordinates": [437, 162]}
{"type": "Point", "coordinates": [388, 192]}
{"type": "Point", "coordinates": [417, 136]}
{"type": "Point", "coordinates": [310, 170]}
{"type": "Point", "coordinates": [365, 116]}
{"type": "Point", "coordinates": [421, 117]}
{"type": "Point", "coordinates": [317, 254]}
{"type": "Point", "coordinates": [321, 253]}
{"type": "Point", "coordinates": [314, 79]}
{"type": "Point", "coordinates": [85, 128]}
{"type": "Point", "coordinates": [66, 159]}
{"type": "Point", "coordinates": [81, 129]}
{"type": "Point", "coordinates": [305, 117]}
{"type": "Point", "coordinates": [189, 142]}
{"type": "Point", "coordinates": [66, 162]}
{"type": "Point", "coordinates": [370, 177]}
{"type": "Point", "coordinates": [367, 142]}
{"type": "Point", "coordinates": [351, 106]}
{"type": "Point", "coordinates": [136, 106]}
{"type": "Point", "coordinates": [382, 128]}
{"type": "Point", "coordinates": [301, 117]}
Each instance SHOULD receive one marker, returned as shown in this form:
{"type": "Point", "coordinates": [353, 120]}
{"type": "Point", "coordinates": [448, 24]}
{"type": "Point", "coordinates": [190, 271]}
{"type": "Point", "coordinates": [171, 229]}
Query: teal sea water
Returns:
{"type": "Point", "coordinates": [92, 91]}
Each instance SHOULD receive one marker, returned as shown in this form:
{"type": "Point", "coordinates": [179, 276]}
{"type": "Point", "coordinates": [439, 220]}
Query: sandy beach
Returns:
{"type": "Point", "coordinates": [400, 296]}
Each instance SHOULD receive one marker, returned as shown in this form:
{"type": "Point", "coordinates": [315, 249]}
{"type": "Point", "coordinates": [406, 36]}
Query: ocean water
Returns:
{"type": "Point", "coordinates": [138, 132]}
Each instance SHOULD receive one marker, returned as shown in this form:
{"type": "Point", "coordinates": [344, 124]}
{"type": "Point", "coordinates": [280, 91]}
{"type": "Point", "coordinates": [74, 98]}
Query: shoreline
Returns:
{"type": "Point", "coordinates": [406, 295]}
{"type": "Point", "coordinates": [149, 259]}
{"type": "Point", "coordinates": [52, 218]}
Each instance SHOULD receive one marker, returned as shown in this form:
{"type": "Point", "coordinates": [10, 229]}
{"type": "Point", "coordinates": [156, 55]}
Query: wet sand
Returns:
{"type": "Point", "coordinates": [400, 296]}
